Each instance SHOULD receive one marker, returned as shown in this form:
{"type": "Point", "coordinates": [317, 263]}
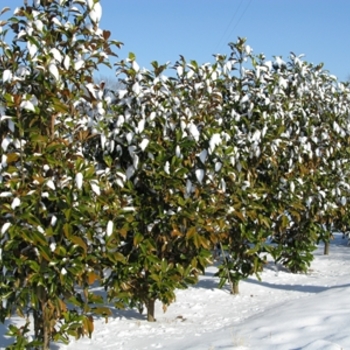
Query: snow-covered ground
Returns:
{"type": "Point", "coordinates": [284, 311]}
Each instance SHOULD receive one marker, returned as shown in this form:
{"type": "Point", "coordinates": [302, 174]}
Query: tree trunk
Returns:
{"type": "Point", "coordinates": [326, 248]}
{"type": "Point", "coordinates": [235, 288]}
{"type": "Point", "coordinates": [42, 320]}
{"type": "Point", "coordinates": [150, 310]}
{"type": "Point", "coordinates": [46, 325]}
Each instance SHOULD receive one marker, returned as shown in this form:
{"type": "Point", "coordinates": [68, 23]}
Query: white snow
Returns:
{"type": "Point", "coordinates": [54, 71]}
{"type": "Point", "coordinates": [79, 180]}
{"type": "Point", "coordinates": [283, 311]}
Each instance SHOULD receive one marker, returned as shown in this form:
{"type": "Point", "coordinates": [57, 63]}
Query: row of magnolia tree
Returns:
{"type": "Point", "coordinates": [132, 191]}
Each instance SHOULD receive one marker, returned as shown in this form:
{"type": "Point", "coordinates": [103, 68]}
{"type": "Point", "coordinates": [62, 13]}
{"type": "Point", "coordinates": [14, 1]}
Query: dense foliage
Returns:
{"type": "Point", "coordinates": [133, 190]}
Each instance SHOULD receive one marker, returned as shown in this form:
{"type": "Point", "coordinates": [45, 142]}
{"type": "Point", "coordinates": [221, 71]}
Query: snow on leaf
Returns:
{"type": "Point", "coordinates": [52, 246]}
{"type": "Point", "coordinates": [135, 66]}
{"type": "Point", "coordinates": [130, 171]}
{"type": "Point", "coordinates": [190, 74]}
{"type": "Point", "coordinates": [143, 144]}
{"type": "Point", "coordinates": [95, 13]}
{"type": "Point", "coordinates": [322, 193]}
{"type": "Point", "coordinates": [7, 75]}
{"type": "Point", "coordinates": [120, 120]}
{"type": "Point", "coordinates": [244, 99]}
{"type": "Point", "coordinates": [95, 188]}
{"type": "Point", "coordinates": [122, 93]}
{"type": "Point", "coordinates": [132, 150]}
{"type": "Point", "coordinates": [203, 156]}
{"type": "Point", "coordinates": [215, 140]}
{"type": "Point", "coordinates": [15, 203]}
{"type": "Point", "coordinates": [129, 209]}
{"type": "Point", "coordinates": [40, 229]}
{"type": "Point", "coordinates": [4, 160]}
{"type": "Point", "coordinates": [54, 71]}
{"type": "Point", "coordinates": [27, 105]}
{"type": "Point", "coordinates": [135, 161]}
{"type": "Point", "coordinates": [56, 21]}
{"type": "Point", "coordinates": [66, 62]}
{"type": "Point", "coordinates": [256, 136]}
{"type": "Point", "coordinates": [39, 25]}
{"type": "Point", "coordinates": [136, 88]}
{"type": "Point", "coordinates": [56, 54]}
{"type": "Point", "coordinates": [248, 50]}
{"type": "Point", "coordinates": [5, 227]}
{"type": "Point", "coordinates": [182, 125]}
{"type": "Point", "coordinates": [5, 143]}
{"type": "Point", "coordinates": [279, 63]}
{"type": "Point", "coordinates": [141, 126]}
{"type": "Point", "coordinates": [194, 131]}
{"type": "Point", "coordinates": [78, 64]}
{"type": "Point", "coordinates": [110, 226]}
{"type": "Point", "coordinates": [245, 185]}
{"type": "Point", "coordinates": [264, 130]}
{"type": "Point", "coordinates": [129, 137]}
{"type": "Point", "coordinates": [50, 184]}
{"type": "Point", "coordinates": [5, 194]}
{"type": "Point", "coordinates": [282, 83]}
{"type": "Point", "coordinates": [180, 71]}
{"type": "Point", "coordinates": [120, 183]}
{"type": "Point", "coordinates": [199, 175]}
{"type": "Point", "coordinates": [121, 175]}
{"type": "Point", "coordinates": [223, 185]}
{"type": "Point", "coordinates": [79, 180]}
{"type": "Point", "coordinates": [218, 166]}
{"type": "Point", "coordinates": [167, 168]}
{"type": "Point", "coordinates": [292, 186]}
{"type": "Point", "coordinates": [103, 139]}
{"type": "Point", "coordinates": [178, 152]}
{"type": "Point", "coordinates": [32, 49]}
{"type": "Point", "coordinates": [308, 202]}
{"type": "Point", "coordinates": [90, 87]}
{"type": "Point", "coordinates": [53, 220]}
{"type": "Point", "coordinates": [11, 125]}
{"type": "Point", "coordinates": [63, 271]}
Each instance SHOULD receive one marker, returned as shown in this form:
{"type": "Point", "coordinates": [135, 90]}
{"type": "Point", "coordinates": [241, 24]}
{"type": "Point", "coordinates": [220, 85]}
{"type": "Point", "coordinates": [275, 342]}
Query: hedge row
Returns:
{"type": "Point", "coordinates": [132, 190]}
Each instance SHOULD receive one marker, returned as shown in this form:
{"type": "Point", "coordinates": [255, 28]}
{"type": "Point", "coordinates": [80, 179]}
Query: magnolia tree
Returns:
{"type": "Point", "coordinates": [162, 146]}
{"type": "Point", "coordinates": [316, 104]}
{"type": "Point", "coordinates": [50, 186]}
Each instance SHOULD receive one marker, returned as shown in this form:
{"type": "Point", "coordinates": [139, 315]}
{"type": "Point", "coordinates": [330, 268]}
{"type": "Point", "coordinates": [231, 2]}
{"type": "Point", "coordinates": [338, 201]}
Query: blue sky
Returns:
{"type": "Point", "coordinates": [161, 30]}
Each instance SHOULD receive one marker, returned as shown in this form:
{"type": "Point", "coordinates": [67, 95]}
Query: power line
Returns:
{"type": "Point", "coordinates": [237, 23]}
{"type": "Point", "coordinates": [243, 13]}
{"type": "Point", "coordinates": [229, 24]}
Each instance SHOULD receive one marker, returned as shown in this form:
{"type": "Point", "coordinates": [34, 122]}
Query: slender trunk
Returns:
{"type": "Point", "coordinates": [235, 288]}
{"type": "Point", "coordinates": [326, 248]}
{"type": "Point", "coordinates": [42, 320]}
{"type": "Point", "coordinates": [150, 310]}
{"type": "Point", "coordinates": [45, 330]}
{"type": "Point", "coordinates": [36, 316]}
{"type": "Point", "coordinates": [228, 271]}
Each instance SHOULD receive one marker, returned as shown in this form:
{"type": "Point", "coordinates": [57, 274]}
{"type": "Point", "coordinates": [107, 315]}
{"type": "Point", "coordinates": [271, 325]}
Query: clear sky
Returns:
{"type": "Point", "coordinates": [161, 30]}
